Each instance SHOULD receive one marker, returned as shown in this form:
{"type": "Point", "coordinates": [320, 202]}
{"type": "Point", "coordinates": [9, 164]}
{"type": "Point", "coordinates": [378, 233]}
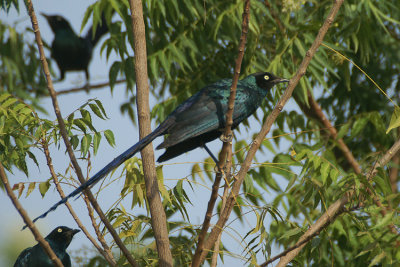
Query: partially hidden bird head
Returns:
{"type": "Point", "coordinates": [56, 22]}
{"type": "Point", "coordinates": [267, 80]}
{"type": "Point", "coordinates": [62, 235]}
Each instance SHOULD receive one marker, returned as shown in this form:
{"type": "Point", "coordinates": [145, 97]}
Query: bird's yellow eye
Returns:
{"type": "Point", "coordinates": [266, 77]}
{"type": "Point", "coordinates": [59, 230]}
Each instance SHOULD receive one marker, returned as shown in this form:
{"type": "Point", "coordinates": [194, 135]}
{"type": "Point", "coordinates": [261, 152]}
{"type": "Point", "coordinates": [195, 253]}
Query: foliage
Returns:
{"type": "Point", "coordinates": [193, 43]}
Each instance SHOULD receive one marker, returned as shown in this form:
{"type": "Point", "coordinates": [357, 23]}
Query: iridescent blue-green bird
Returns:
{"type": "Point", "coordinates": [59, 239]}
{"type": "Point", "coordinates": [70, 51]}
{"type": "Point", "coordinates": [197, 121]}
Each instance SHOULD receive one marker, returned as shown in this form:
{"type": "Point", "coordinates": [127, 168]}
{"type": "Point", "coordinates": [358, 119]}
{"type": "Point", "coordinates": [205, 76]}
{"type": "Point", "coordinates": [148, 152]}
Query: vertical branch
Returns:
{"type": "Point", "coordinates": [214, 259]}
{"type": "Point", "coordinates": [225, 162]}
{"type": "Point", "coordinates": [267, 126]}
{"type": "Point", "coordinates": [106, 252]}
{"type": "Point", "coordinates": [64, 135]}
{"type": "Point", "coordinates": [45, 245]}
{"type": "Point", "coordinates": [158, 217]}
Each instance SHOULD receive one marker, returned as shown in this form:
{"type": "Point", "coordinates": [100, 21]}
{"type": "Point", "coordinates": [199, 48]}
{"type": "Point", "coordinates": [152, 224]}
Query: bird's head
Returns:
{"type": "Point", "coordinates": [62, 235]}
{"type": "Point", "coordinates": [267, 80]}
{"type": "Point", "coordinates": [57, 22]}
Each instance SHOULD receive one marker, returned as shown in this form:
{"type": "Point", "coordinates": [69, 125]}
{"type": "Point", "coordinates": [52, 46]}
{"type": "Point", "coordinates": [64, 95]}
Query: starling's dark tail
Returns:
{"type": "Point", "coordinates": [101, 29]}
{"type": "Point", "coordinates": [107, 169]}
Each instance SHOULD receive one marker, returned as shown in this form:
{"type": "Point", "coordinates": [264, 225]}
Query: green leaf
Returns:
{"type": "Point", "coordinates": [384, 221]}
{"type": "Point", "coordinates": [359, 126]}
{"type": "Point", "coordinates": [324, 172]}
{"type": "Point", "coordinates": [44, 187]}
{"type": "Point", "coordinates": [86, 115]}
{"type": "Point", "coordinates": [110, 137]}
{"type": "Point", "coordinates": [120, 219]}
{"type": "Point", "coordinates": [96, 110]}
{"type": "Point", "coordinates": [8, 102]}
{"type": "Point", "coordinates": [334, 174]}
{"type": "Point", "coordinates": [377, 259]}
{"type": "Point", "coordinates": [80, 124]}
{"type": "Point", "coordinates": [4, 96]}
{"type": "Point", "coordinates": [74, 140]}
{"type": "Point", "coordinates": [100, 106]}
{"type": "Point", "coordinates": [395, 120]}
{"type": "Point", "coordinates": [31, 187]}
{"type": "Point", "coordinates": [85, 143]}
{"type": "Point", "coordinates": [290, 233]}
{"type": "Point", "coordinates": [96, 142]}
{"type": "Point", "coordinates": [113, 74]}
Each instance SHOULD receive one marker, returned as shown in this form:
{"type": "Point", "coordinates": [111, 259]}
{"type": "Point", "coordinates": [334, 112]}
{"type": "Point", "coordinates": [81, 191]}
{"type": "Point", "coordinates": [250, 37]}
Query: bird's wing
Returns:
{"type": "Point", "coordinates": [23, 258]}
{"type": "Point", "coordinates": [195, 116]}
{"type": "Point", "coordinates": [66, 260]}
{"type": "Point", "coordinates": [204, 112]}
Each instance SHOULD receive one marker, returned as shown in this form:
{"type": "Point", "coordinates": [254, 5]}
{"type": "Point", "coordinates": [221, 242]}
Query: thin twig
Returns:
{"type": "Point", "coordinates": [225, 162]}
{"type": "Point", "coordinates": [267, 126]}
{"type": "Point", "coordinates": [106, 252]}
{"type": "Point", "coordinates": [83, 88]}
{"type": "Point", "coordinates": [64, 135]}
{"type": "Point", "coordinates": [87, 88]}
{"type": "Point", "coordinates": [45, 245]}
{"type": "Point", "coordinates": [158, 217]}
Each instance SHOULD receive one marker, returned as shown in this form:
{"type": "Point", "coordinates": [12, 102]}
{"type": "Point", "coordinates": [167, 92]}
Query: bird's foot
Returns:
{"type": "Point", "coordinates": [226, 138]}
{"type": "Point", "coordinates": [217, 169]}
{"type": "Point", "coordinates": [87, 87]}
{"type": "Point", "coordinates": [222, 171]}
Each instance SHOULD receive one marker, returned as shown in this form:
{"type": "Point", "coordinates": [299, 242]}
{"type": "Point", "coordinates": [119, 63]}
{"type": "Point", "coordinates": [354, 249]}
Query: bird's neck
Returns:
{"type": "Point", "coordinates": [58, 247]}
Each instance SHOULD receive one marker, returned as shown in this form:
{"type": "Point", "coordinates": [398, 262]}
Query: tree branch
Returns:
{"type": "Point", "coordinates": [346, 152]}
{"type": "Point", "coordinates": [43, 243]}
{"type": "Point", "coordinates": [158, 217]}
{"type": "Point", "coordinates": [64, 135]}
{"type": "Point", "coordinates": [225, 162]}
{"type": "Point", "coordinates": [303, 242]}
{"type": "Point", "coordinates": [87, 88]}
{"type": "Point", "coordinates": [336, 207]}
{"type": "Point", "coordinates": [320, 116]}
{"type": "Point", "coordinates": [267, 126]}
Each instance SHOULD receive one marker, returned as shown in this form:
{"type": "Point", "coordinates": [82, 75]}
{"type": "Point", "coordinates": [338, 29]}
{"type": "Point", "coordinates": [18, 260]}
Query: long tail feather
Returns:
{"type": "Point", "coordinates": [108, 168]}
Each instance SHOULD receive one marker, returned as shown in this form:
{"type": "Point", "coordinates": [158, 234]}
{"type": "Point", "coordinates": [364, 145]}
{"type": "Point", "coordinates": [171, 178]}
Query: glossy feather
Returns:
{"type": "Point", "coordinates": [197, 121]}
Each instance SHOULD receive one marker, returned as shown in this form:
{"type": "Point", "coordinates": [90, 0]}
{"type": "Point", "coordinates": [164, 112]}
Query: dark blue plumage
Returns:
{"type": "Point", "coordinates": [71, 52]}
{"type": "Point", "coordinates": [197, 121]}
{"type": "Point", "coordinates": [59, 239]}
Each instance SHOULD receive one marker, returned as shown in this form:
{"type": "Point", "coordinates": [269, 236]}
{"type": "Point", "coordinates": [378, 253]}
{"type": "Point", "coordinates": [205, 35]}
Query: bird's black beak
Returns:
{"type": "Point", "coordinates": [44, 15]}
{"type": "Point", "coordinates": [281, 80]}
{"type": "Point", "coordinates": [74, 231]}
